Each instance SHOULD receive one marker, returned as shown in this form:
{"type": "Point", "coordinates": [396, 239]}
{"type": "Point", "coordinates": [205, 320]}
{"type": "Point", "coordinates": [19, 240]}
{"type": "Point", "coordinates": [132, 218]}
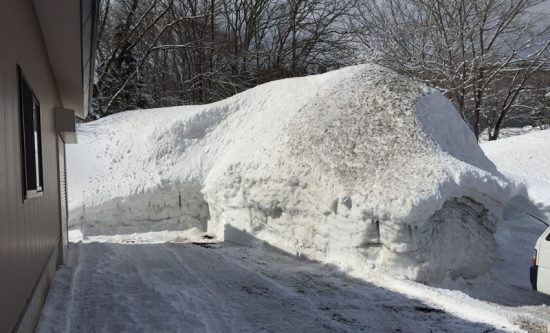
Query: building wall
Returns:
{"type": "Point", "coordinates": [63, 200]}
{"type": "Point", "coordinates": [29, 230]}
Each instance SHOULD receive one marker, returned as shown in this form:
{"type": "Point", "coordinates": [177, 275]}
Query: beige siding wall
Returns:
{"type": "Point", "coordinates": [29, 230]}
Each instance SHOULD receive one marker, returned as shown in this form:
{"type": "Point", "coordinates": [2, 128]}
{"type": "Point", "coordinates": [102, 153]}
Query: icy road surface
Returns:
{"type": "Point", "coordinates": [183, 287]}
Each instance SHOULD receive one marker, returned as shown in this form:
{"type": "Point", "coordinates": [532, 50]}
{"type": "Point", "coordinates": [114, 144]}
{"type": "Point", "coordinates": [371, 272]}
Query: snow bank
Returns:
{"type": "Point", "coordinates": [526, 159]}
{"type": "Point", "coordinates": [359, 161]}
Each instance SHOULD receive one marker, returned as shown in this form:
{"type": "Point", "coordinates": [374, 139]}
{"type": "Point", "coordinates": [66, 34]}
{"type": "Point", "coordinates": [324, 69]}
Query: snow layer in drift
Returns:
{"type": "Point", "coordinates": [356, 162]}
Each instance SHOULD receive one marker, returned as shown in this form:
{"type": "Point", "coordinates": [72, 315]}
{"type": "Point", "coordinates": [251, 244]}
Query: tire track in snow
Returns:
{"type": "Point", "coordinates": [259, 301]}
{"type": "Point", "coordinates": [187, 290]}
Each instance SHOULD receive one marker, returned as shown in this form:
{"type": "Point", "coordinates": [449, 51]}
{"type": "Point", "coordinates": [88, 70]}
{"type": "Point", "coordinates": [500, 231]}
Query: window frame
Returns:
{"type": "Point", "coordinates": [35, 188]}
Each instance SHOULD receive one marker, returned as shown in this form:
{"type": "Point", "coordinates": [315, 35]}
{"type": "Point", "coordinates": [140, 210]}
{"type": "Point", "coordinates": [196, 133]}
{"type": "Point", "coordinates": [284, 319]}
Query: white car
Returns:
{"type": "Point", "coordinates": [540, 266]}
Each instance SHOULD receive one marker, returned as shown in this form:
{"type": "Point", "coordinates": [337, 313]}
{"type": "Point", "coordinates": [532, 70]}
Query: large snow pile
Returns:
{"type": "Point", "coordinates": [356, 162]}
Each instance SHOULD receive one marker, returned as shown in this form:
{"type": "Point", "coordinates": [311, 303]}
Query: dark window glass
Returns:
{"type": "Point", "coordinates": [31, 139]}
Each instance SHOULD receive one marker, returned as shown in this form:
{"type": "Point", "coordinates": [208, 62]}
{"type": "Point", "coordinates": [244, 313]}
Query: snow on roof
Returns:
{"type": "Point", "coordinates": [345, 159]}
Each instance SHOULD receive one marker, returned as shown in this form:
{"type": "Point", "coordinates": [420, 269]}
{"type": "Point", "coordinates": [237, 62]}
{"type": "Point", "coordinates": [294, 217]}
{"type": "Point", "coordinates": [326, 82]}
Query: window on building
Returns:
{"type": "Point", "coordinates": [31, 139]}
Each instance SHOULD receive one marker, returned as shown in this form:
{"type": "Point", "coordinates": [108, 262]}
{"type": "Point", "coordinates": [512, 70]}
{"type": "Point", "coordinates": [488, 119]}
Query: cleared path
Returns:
{"type": "Point", "coordinates": [174, 287]}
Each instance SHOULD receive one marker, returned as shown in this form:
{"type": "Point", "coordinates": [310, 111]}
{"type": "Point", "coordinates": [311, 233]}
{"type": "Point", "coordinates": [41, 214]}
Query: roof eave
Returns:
{"type": "Point", "coordinates": [68, 29]}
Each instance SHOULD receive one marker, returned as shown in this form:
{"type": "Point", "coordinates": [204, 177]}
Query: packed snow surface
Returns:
{"type": "Point", "coordinates": [358, 165]}
{"type": "Point", "coordinates": [181, 287]}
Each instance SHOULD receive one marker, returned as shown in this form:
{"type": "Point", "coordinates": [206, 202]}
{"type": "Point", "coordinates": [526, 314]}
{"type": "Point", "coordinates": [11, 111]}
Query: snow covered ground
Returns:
{"type": "Point", "coordinates": [144, 263]}
{"type": "Point", "coordinates": [526, 159]}
{"type": "Point", "coordinates": [174, 287]}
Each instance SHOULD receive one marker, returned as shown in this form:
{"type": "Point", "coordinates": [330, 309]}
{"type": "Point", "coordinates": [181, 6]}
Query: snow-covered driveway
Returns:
{"type": "Point", "coordinates": [182, 287]}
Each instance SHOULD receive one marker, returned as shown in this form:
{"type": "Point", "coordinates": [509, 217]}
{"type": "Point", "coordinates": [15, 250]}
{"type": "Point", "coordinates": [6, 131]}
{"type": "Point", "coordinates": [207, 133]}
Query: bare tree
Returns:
{"type": "Point", "coordinates": [483, 54]}
{"type": "Point", "coordinates": [172, 52]}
